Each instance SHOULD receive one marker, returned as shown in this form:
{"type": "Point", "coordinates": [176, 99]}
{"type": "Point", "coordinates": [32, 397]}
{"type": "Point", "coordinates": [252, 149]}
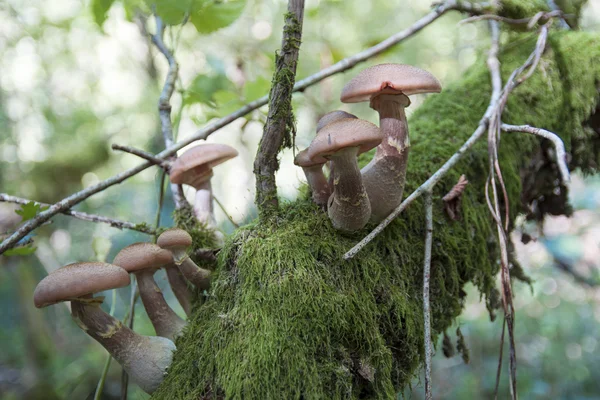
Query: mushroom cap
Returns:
{"type": "Point", "coordinates": [331, 117]}
{"type": "Point", "coordinates": [174, 238]}
{"type": "Point", "coordinates": [389, 78]}
{"type": "Point", "coordinates": [347, 132]}
{"type": "Point", "coordinates": [303, 160]}
{"type": "Point", "coordinates": [139, 256]}
{"type": "Point", "coordinates": [194, 165]}
{"type": "Point", "coordinates": [76, 280]}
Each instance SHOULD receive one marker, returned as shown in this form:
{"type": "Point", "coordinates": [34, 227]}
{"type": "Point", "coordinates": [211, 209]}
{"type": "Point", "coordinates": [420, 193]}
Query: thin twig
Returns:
{"type": "Point", "coordinates": [280, 130]}
{"type": "Point", "coordinates": [426, 278]}
{"type": "Point", "coordinates": [143, 154]}
{"type": "Point", "coordinates": [561, 154]}
{"type": "Point", "coordinates": [493, 107]}
{"type": "Point", "coordinates": [531, 21]}
{"type": "Point", "coordinates": [554, 7]}
{"type": "Point", "coordinates": [100, 386]}
{"type": "Point", "coordinates": [203, 133]}
{"type": "Point", "coordinates": [222, 207]}
{"type": "Point", "coordinates": [115, 223]}
{"type": "Point", "coordinates": [164, 105]}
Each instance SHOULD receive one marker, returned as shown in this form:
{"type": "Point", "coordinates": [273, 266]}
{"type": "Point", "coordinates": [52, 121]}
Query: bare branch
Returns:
{"type": "Point", "coordinates": [203, 133]}
{"type": "Point", "coordinates": [426, 278]}
{"type": "Point", "coordinates": [279, 130]}
{"type": "Point", "coordinates": [115, 223]}
{"type": "Point", "coordinates": [452, 198]}
{"type": "Point", "coordinates": [164, 105]}
{"type": "Point", "coordinates": [530, 22]}
{"type": "Point", "coordinates": [143, 154]}
{"type": "Point", "coordinates": [561, 154]}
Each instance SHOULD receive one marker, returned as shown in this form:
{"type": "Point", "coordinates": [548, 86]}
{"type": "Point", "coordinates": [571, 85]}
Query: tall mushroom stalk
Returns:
{"type": "Point", "coordinates": [387, 86]}
{"type": "Point", "coordinates": [348, 206]}
{"type": "Point", "coordinates": [144, 259]}
{"type": "Point", "coordinates": [313, 170]}
{"type": "Point", "coordinates": [144, 358]}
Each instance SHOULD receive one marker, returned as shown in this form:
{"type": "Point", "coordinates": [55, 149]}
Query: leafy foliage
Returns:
{"type": "Point", "coordinates": [30, 210]}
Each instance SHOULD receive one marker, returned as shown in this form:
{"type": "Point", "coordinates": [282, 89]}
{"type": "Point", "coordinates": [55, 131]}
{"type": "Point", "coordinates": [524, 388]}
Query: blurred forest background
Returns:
{"type": "Point", "coordinates": [73, 81]}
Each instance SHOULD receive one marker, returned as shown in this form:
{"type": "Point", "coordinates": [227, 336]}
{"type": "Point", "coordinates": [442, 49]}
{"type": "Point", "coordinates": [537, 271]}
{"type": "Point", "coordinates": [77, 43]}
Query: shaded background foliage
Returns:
{"type": "Point", "coordinates": [77, 77]}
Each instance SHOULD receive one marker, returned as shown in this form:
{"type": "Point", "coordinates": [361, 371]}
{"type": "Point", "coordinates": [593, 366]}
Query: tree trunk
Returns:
{"type": "Point", "coordinates": [288, 318]}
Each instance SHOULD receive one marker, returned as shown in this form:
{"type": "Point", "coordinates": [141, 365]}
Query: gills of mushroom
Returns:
{"type": "Point", "coordinates": [144, 259]}
{"type": "Point", "coordinates": [313, 169]}
{"type": "Point", "coordinates": [348, 208]}
{"type": "Point", "coordinates": [387, 86]}
{"type": "Point", "coordinates": [144, 358]}
{"type": "Point", "coordinates": [194, 168]}
{"type": "Point", "coordinates": [178, 241]}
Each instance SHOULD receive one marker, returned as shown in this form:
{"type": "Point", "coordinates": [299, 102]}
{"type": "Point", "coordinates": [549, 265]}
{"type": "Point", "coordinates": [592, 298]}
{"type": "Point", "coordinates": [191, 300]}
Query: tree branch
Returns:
{"type": "Point", "coordinates": [280, 128]}
{"type": "Point", "coordinates": [426, 276]}
{"type": "Point", "coordinates": [143, 154]}
{"type": "Point", "coordinates": [115, 223]}
{"type": "Point", "coordinates": [561, 154]}
{"type": "Point", "coordinates": [203, 133]}
{"type": "Point", "coordinates": [164, 105]}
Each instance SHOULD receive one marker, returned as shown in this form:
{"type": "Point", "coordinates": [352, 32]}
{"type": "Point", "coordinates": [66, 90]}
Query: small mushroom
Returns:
{"type": "Point", "coordinates": [144, 358]}
{"type": "Point", "coordinates": [143, 259]}
{"type": "Point", "coordinates": [313, 169]}
{"type": "Point", "coordinates": [341, 142]}
{"type": "Point", "coordinates": [387, 86]}
{"type": "Point", "coordinates": [178, 241]}
{"type": "Point", "coordinates": [194, 168]}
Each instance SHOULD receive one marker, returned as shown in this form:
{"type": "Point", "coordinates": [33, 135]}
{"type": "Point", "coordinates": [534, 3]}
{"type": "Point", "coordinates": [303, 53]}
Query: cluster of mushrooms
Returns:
{"type": "Point", "coordinates": [145, 358]}
{"type": "Point", "coordinates": [352, 196]}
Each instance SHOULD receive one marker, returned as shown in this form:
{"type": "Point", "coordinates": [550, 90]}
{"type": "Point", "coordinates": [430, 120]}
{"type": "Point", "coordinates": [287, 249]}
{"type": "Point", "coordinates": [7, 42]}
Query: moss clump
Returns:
{"type": "Point", "coordinates": [287, 318]}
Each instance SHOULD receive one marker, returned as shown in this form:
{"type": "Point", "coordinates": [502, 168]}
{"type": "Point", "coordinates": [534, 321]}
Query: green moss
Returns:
{"type": "Point", "coordinates": [202, 237]}
{"type": "Point", "coordinates": [287, 318]}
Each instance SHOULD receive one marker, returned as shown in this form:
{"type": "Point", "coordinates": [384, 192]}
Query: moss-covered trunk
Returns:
{"type": "Point", "coordinates": [287, 318]}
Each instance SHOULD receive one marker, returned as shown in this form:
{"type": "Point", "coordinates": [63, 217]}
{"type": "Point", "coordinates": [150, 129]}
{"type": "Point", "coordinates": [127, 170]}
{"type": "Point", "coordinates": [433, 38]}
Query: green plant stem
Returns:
{"type": "Point", "coordinates": [100, 387]}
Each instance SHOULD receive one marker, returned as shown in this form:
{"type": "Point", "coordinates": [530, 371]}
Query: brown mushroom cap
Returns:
{"type": "Point", "coordinates": [331, 117]}
{"type": "Point", "coordinates": [347, 132]}
{"type": "Point", "coordinates": [303, 160]}
{"type": "Point", "coordinates": [199, 160]}
{"type": "Point", "coordinates": [78, 279]}
{"type": "Point", "coordinates": [389, 78]}
{"type": "Point", "coordinates": [174, 238]}
{"type": "Point", "coordinates": [139, 256]}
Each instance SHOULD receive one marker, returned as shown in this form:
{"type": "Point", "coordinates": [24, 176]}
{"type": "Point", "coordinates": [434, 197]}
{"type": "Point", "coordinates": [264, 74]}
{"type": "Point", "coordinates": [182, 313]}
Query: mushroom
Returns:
{"type": "Point", "coordinates": [341, 142]}
{"type": "Point", "coordinates": [387, 86]}
{"type": "Point", "coordinates": [144, 358]}
{"type": "Point", "coordinates": [194, 168]}
{"type": "Point", "coordinates": [143, 259]}
{"type": "Point", "coordinates": [313, 169]}
{"type": "Point", "coordinates": [177, 241]}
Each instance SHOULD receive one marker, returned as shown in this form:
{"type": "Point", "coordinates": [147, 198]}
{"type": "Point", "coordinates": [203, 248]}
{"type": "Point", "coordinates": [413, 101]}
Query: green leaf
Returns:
{"type": "Point", "coordinates": [20, 251]}
{"type": "Point", "coordinates": [256, 89]}
{"type": "Point", "coordinates": [172, 12]}
{"type": "Point", "coordinates": [204, 87]}
{"type": "Point", "coordinates": [100, 9]}
{"type": "Point", "coordinates": [30, 210]}
{"type": "Point", "coordinates": [226, 103]}
{"type": "Point", "coordinates": [217, 14]}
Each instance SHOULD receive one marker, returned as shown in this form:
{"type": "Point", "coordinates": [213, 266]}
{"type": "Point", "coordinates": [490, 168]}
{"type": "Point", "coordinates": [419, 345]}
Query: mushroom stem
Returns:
{"type": "Point", "coordinates": [180, 288]}
{"type": "Point", "coordinates": [318, 184]}
{"type": "Point", "coordinates": [348, 208]}
{"type": "Point", "coordinates": [203, 204]}
{"type": "Point", "coordinates": [385, 175]}
{"type": "Point", "coordinates": [166, 323]}
{"type": "Point", "coordinates": [144, 358]}
{"type": "Point", "coordinates": [199, 277]}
